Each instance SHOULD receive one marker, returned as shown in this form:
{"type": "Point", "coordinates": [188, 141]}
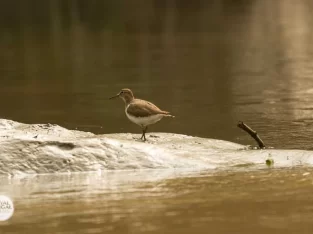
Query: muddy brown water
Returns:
{"type": "Point", "coordinates": [211, 63]}
{"type": "Point", "coordinates": [271, 201]}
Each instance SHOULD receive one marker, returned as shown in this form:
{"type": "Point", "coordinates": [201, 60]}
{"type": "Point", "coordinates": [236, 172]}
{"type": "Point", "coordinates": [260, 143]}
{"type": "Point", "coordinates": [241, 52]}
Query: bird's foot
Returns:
{"type": "Point", "coordinates": [143, 138]}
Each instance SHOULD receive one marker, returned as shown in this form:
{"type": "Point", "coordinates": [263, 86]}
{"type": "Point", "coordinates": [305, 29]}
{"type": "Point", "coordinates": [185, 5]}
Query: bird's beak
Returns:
{"type": "Point", "coordinates": [117, 95]}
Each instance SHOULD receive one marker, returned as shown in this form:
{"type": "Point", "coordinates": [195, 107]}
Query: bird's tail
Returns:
{"type": "Point", "coordinates": [167, 114]}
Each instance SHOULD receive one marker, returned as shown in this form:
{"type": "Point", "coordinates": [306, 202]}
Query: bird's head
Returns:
{"type": "Point", "coordinates": [125, 94]}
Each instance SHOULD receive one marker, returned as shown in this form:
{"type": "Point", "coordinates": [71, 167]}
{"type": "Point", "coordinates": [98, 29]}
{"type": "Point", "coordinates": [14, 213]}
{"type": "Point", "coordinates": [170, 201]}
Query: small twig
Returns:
{"type": "Point", "coordinates": [252, 133]}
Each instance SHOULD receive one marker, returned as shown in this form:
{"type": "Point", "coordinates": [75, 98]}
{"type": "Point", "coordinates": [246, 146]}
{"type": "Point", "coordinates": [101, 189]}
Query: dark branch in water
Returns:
{"type": "Point", "coordinates": [252, 133]}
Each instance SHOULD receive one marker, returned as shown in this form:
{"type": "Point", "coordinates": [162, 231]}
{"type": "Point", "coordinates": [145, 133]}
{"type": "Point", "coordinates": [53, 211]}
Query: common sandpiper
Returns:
{"type": "Point", "coordinates": [141, 112]}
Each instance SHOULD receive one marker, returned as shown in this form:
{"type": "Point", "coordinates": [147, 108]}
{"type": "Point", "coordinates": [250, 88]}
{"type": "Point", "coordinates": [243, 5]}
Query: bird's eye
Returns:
{"type": "Point", "coordinates": [122, 91]}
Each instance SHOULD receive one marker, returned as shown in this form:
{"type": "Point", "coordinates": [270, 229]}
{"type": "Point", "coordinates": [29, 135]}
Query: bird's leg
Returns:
{"type": "Point", "coordinates": [143, 136]}
{"type": "Point", "coordinates": [144, 133]}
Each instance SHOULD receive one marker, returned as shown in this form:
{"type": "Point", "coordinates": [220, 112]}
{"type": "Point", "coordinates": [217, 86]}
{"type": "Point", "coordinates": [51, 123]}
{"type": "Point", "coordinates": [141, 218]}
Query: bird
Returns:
{"type": "Point", "coordinates": [141, 112]}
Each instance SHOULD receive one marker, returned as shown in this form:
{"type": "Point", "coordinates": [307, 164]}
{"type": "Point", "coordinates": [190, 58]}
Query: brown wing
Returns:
{"type": "Point", "coordinates": [141, 108]}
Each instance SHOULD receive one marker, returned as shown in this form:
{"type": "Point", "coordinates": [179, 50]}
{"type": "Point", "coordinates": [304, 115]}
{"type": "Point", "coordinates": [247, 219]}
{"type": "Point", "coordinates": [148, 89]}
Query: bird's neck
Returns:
{"type": "Point", "coordinates": [128, 100]}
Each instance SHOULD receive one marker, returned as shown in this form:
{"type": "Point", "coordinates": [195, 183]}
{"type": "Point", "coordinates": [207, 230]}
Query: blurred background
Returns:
{"type": "Point", "coordinates": [210, 63]}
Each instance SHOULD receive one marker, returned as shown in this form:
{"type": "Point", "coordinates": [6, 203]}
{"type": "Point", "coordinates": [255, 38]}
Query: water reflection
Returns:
{"type": "Point", "coordinates": [210, 63]}
{"type": "Point", "coordinates": [163, 202]}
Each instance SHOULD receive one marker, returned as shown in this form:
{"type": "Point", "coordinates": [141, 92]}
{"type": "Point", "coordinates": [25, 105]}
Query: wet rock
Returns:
{"type": "Point", "coordinates": [47, 148]}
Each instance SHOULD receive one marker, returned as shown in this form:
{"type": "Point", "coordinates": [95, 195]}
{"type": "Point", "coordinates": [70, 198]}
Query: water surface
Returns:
{"type": "Point", "coordinates": [211, 63]}
{"type": "Point", "coordinates": [163, 201]}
